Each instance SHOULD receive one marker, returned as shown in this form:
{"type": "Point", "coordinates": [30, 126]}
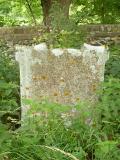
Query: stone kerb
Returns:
{"type": "Point", "coordinates": [64, 76]}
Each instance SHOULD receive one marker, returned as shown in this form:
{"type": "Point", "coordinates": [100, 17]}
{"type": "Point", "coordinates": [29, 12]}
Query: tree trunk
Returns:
{"type": "Point", "coordinates": [48, 4]}
{"type": "Point", "coordinates": [65, 5]}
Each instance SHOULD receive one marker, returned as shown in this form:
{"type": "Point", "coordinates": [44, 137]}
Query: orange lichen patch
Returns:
{"type": "Point", "coordinates": [62, 80]}
{"type": "Point", "coordinates": [77, 99]}
{"type": "Point", "coordinates": [66, 93]}
{"type": "Point", "coordinates": [34, 78]}
{"type": "Point", "coordinates": [44, 77]}
{"type": "Point", "coordinates": [72, 61]}
{"type": "Point", "coordinates": [93, 87]}
{"type": "Point", "coordinates": [37, 77]}
{"type": "Point", "coordinates": [55, 94]}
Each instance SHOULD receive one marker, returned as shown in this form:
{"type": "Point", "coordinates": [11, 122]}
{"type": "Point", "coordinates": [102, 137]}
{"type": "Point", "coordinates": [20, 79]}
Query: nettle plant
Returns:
{"type": "Point", "coordinates": [9, 79]}
{"type": "Point", "coordinates": [109, 107]}
{"type": "Point", "coordinates": [113, 65]}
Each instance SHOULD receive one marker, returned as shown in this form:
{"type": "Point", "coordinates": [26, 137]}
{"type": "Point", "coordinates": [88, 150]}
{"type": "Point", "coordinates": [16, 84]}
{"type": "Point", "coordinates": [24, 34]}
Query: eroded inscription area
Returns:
{"type": "Point", "coordinates": [64, 76]}
{"type": "Point", "coordinates": [64, 79]}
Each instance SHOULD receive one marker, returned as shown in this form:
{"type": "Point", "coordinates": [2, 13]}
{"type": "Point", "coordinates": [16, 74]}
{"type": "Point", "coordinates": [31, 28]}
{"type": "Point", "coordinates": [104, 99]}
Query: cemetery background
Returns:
{"type": "Point", "coordinates": [56, 137]}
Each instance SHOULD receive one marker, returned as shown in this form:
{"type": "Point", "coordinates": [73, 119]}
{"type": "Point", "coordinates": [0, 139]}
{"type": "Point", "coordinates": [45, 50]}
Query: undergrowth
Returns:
{"type": "Point", "coordinates": [92, 134]}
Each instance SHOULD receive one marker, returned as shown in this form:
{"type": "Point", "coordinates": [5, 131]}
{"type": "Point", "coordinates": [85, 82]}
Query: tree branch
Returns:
{"type": "Point", "coordinates": [31, 11]}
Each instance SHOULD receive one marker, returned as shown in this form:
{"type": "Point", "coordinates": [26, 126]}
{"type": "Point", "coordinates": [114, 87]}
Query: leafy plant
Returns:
{"type": "Point", "coordinates": [113, 65]}
{"type": "Point", "coordinates": [107, 150]}
{"type": "Point", "coordinates": [9, 79]}
{"type": "Point", "coordinates": [57, 133]}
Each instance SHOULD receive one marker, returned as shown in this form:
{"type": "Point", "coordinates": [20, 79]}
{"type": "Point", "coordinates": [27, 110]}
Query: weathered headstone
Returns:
{"type": "Point", "coordinates": [65, 76]}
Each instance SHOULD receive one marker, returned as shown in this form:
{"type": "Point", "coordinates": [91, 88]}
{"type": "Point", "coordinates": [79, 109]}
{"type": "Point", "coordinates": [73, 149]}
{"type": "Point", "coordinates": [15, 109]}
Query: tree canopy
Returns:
{"type": "Point", "coordinates": [29, 12]}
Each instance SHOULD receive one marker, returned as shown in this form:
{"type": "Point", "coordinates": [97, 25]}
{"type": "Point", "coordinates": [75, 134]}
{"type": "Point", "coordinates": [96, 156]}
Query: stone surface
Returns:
{"type": "Point", "coordinates": [64, 76]}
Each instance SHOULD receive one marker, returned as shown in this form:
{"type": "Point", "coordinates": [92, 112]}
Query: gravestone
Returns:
{"type": "Point", "coordinates": [64, 76]}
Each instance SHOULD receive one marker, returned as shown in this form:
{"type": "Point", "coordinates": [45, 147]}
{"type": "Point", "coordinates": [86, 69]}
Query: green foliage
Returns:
{"type": "Point", "coordinates": [113, 65]}
{"type": "Point", "coordinates": [69, 37]}
{"type": "Point", "coordinates": [5, 140]}
{"type": "Point", "coordinates": [110, 11]}
{"type": "Point", "coordinates": [26, 12]}
{"type": "Point", "coordinates": [18, 12]}
{"type": "Point", "coordinates": [97, 11]}
{"type": "Point", "coordinates": [9, 79]}
{"type": "Point", "coordinates": [109, 108]}
{"type": "Point", "coordinates": [104, 150]}
{"type": "Point", "coordinates": [52, 136]}
{"type": "Point", "coordinates": [11, 13]}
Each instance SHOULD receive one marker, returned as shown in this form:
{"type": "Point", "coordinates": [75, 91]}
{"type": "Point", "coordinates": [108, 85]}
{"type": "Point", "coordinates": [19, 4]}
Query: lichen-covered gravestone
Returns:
{"type": "Point", "coordinates": [65, 76]}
